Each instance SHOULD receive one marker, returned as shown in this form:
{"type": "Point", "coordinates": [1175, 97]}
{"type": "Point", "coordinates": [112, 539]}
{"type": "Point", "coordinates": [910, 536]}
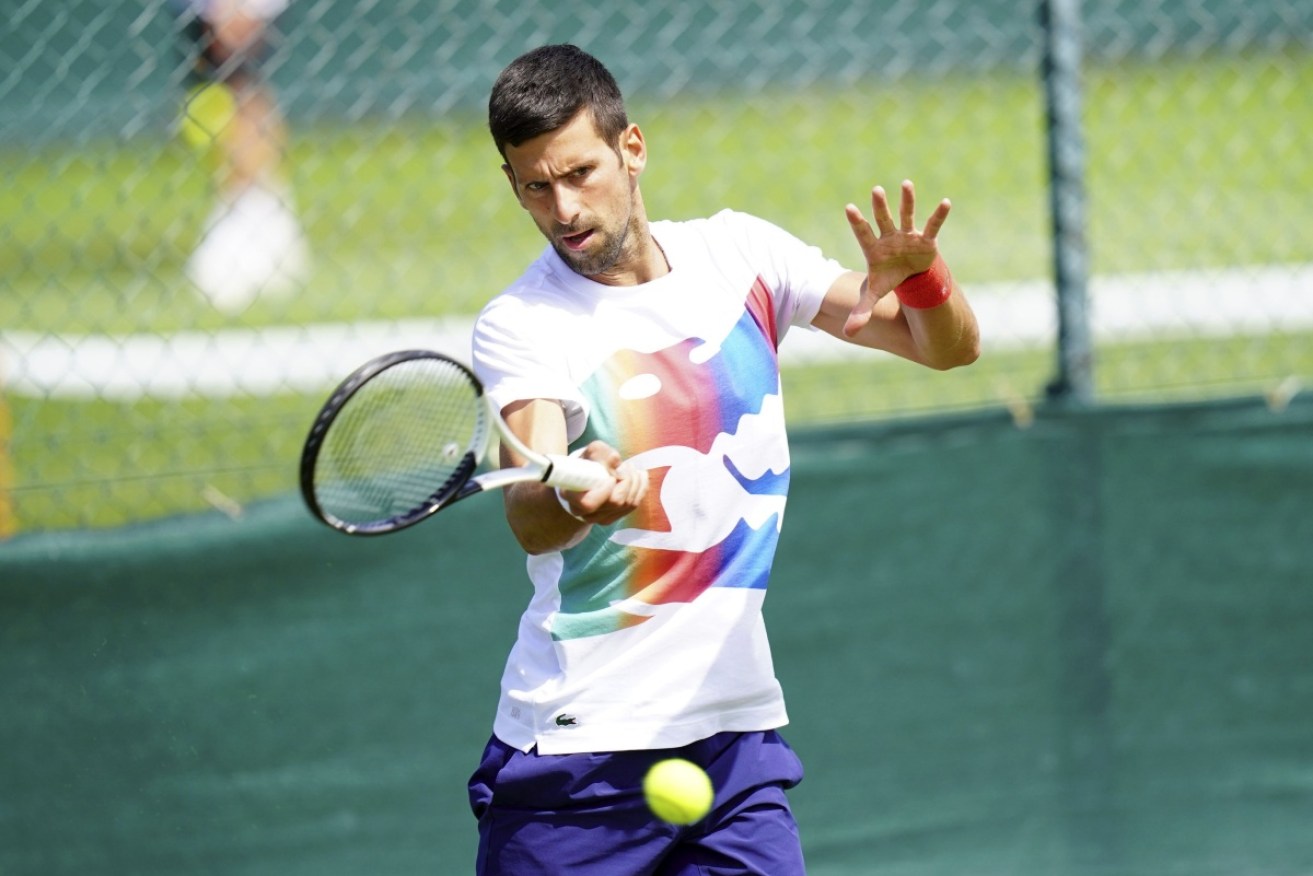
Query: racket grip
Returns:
{"type": "Point", "coordinates": [573, 473]}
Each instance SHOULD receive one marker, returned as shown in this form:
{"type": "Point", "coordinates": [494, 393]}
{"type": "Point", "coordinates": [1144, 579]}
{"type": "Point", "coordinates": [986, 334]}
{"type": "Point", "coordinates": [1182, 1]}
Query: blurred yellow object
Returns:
{"type": "Point", "coordinates": [207, 112]}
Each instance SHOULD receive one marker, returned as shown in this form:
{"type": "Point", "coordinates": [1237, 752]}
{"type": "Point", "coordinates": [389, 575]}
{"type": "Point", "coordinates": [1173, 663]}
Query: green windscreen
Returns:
{"type": "Point", "coordinates": [1082, 648]}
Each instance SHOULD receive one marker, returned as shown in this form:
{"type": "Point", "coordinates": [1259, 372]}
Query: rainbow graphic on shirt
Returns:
{"type": "Point", "coordinates": [707, 422]}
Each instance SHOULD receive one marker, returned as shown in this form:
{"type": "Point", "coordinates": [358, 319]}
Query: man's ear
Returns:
{"type": "Point", "coordinates": [510, 177]}
{"type": "Point", "coordinates": [633, 149]}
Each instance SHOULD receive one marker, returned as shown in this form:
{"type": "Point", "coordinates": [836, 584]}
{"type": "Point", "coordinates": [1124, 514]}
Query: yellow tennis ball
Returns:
{"type": "Point", "coordinates": [208, 110]}
{"type": "Point", "coordinates": [678, 791]}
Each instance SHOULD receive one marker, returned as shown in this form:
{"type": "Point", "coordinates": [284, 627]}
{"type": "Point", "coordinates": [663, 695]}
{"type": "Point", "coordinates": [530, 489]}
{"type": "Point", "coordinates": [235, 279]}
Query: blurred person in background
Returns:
{"type": "Point", "coordinates": [252, 244]}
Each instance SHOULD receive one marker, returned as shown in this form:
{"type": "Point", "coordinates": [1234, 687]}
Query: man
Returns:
{"type": "Point", "coordinates": [252, 243]}
{"type": "Point", "coordinates": [651, 349]}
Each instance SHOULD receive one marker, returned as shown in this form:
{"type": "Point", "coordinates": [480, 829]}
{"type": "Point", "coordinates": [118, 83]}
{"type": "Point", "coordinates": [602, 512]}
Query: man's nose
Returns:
{"type": "Point", "coordinates": [565, 204]}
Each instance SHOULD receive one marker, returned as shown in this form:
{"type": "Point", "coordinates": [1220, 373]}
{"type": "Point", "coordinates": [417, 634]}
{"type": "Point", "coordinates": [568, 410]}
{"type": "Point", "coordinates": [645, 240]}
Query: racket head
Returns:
{"type": "Point", "coordinates": [399, 438]}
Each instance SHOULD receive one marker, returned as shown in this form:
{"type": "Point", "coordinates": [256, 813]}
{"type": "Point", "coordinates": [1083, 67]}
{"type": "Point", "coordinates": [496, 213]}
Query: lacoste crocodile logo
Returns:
{"type": "Point", "coordinates": [566, 721]}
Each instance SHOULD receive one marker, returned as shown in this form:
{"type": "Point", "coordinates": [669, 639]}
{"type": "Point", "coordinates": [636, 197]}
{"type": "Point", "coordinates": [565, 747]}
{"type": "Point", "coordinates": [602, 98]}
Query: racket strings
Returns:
{"type": "Point", "coordinates": [404, 441]}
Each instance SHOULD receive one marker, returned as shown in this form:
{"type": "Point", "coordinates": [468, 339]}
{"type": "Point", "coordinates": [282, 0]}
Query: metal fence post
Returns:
{"type": "Point", "coordinates": [1061, 25]}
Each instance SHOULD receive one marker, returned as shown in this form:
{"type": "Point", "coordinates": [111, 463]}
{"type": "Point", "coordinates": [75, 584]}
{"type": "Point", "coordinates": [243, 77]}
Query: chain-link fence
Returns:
{"type": "Point", "coordinates": [187, 266]}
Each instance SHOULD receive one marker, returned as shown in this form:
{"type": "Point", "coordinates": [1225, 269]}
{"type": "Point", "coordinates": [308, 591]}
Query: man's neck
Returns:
{"type": "Point", "coordinates": [644, 261]}
{"type": "Point", "coordinates": [647, 263]}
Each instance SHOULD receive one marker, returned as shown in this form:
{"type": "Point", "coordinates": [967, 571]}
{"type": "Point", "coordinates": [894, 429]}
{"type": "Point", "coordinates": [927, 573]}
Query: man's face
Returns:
{"type": "Point", "coordinates": [581, 193]}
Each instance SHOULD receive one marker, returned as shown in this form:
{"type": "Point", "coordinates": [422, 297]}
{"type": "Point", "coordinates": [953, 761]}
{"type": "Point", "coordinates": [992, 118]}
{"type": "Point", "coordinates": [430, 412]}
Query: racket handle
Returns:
{"type": "Point", "coordinates": [573, 473]}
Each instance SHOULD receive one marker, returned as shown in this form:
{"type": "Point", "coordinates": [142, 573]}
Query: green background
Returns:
{"type": "Point", "coordinates": [1194, 125]}
{"type": "Point", "coordinates": [1075, 649]}
{"type": "Point", "coordinates": [97, 236]}
{"type": "Point", "coordinates": [1080, 648]}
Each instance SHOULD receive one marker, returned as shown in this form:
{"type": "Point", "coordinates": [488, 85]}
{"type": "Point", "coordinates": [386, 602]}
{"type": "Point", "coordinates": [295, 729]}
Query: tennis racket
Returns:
{"type": "Point", "coordinates": [403, 437]}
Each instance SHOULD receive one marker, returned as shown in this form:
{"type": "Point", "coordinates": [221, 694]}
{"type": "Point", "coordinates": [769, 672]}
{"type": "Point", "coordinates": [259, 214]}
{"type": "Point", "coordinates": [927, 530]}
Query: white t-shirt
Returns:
{"type": "Point", "coordinates": [648, 633]}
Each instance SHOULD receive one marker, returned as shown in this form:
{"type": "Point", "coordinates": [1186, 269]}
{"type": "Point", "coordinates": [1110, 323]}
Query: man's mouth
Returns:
{"type": "Point", "coordinates": [576, 242]}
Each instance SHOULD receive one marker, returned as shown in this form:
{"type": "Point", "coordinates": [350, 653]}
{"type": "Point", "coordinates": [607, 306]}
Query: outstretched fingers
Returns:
{"type": "Point", "coordinates": [936, 220]}
{"type": "Point", "coordinates": [884, 217]}
{"type": "Point", "coordinates": [907, 207]}
{"type": "Point", "coordinates": [907, 213]}
{"type": "Point", "coordinates": [862, 230]}
{"type": "Point", "coordinates": [894, 249]}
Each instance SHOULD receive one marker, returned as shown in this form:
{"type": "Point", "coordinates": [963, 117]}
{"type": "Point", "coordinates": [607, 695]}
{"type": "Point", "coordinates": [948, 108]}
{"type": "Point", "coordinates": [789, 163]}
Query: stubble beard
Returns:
{"type": "Point", "coordinates": [610, 254]}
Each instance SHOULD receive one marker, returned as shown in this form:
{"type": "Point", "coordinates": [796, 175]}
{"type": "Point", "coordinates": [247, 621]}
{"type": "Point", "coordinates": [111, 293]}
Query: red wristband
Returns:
{"type": "Point", "coordinates": [927, 289]}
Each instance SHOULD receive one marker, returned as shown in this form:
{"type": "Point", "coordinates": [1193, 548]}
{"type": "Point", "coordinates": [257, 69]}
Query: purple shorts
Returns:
{"type": "Point", "coordinates": [584, 814]}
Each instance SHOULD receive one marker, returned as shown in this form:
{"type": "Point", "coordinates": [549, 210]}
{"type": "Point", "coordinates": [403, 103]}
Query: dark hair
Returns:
{"type": "Point", "coordinates": [545, 88]}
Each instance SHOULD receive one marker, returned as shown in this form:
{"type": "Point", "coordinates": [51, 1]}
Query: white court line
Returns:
{"type": "Point", "coordinates": [252, 362]}
{"type": "Point", "coordinates": [265, 361]}
{"type": "Point", "coordinates": [1175, 305]}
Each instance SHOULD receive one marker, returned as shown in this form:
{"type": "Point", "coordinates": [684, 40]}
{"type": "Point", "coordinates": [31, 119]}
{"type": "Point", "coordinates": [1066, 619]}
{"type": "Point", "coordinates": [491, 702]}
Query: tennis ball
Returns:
{"type": "Point", "coordinates": [208, 110]}
{"type": "Point", "coordinates": [678, 791]}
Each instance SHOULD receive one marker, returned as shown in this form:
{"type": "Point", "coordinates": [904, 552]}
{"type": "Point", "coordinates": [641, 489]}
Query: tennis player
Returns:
{"type": "Point", "coordinates": [252, 243]}
{"type": "Point", "coordinates": [650, 347]}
